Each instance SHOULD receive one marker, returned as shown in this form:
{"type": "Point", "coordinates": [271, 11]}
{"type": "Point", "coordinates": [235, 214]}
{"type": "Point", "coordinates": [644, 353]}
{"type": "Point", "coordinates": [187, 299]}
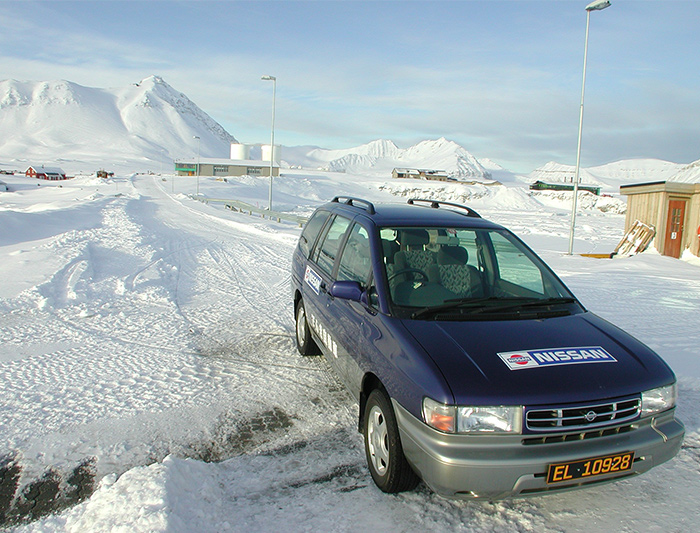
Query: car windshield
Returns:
{"type": "Point", "coordinates": [466, 271]}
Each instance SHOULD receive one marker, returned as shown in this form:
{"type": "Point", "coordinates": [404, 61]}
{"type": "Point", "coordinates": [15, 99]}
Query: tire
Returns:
{"type": "Point", "coordinates": [387, 464]}
{"type": "Point", "coordinates": [305, 344]}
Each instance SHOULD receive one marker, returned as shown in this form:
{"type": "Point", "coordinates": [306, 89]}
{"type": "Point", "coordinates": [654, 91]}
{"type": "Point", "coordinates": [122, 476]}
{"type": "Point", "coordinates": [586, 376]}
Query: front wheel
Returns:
{"type": "Point", "coordinates": [305, 344]}
{"type": "Point", "coordinates": [387, 463]}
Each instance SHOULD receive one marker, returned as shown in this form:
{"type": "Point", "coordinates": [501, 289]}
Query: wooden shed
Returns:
{"type": "Point", "coordinates": [672, 208]}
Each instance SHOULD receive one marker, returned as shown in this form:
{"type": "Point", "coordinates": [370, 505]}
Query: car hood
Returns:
{"type": "Point", "coordinates": [539, 362]}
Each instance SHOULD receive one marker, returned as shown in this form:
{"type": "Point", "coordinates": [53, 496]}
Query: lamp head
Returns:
{"type": "Point", "coordinates": [268, 78]}
{"type": "Point", "coordinates": [598, 5]}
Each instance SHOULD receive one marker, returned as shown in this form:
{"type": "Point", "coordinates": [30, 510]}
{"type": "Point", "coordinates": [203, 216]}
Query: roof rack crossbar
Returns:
{"type": "Point", "coordinates": [350, 200]}
{"type": "Point", "coordinates": [435, 204]}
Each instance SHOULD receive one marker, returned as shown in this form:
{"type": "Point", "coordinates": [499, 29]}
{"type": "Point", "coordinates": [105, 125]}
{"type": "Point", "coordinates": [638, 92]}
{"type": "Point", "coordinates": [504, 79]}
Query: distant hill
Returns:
{"type": "Point", "coordinates": [609, 176]}
{"type": "Point", "coordinates": [688, 174]}
{"type": "Point", "coordinates": [382, 156]}
{"type": "Point", "coordinates": [63, 122]}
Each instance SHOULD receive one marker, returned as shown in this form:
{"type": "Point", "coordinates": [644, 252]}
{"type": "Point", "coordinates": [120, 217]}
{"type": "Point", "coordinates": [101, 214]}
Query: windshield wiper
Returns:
{"type": "Point", "coordinates": [475, 306]}
{"type": "Point", "coordinates": [464, 303]}
{"type": "Point", "coordinates": [540, 302]}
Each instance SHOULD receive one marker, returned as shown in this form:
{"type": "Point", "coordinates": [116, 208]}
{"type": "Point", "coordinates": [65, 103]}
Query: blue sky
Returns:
{"type": "Point", "coordinates": [501, 78]}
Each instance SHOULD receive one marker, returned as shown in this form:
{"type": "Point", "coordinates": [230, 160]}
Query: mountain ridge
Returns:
{"type": "Point", "coordinates": [64, 123]}
{"type": "Point", "coordinates": [381, 156]}
{"type": "Point", "coordinates": [62, 120]}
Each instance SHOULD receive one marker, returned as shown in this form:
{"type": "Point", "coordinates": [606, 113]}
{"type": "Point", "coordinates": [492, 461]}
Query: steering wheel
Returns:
{"type": "Point", "coordinates": [412, 270]}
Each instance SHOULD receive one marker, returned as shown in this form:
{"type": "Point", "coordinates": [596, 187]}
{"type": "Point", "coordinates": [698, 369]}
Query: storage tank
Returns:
{"type": "Point", "coordinates": [240, 151]}
{"type": "Point", "coordinates": [266, 153]}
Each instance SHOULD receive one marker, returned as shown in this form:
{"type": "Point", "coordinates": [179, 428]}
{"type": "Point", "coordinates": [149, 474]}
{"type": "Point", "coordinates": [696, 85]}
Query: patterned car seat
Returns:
{"type": "Point", "coordinates": [455, 274]}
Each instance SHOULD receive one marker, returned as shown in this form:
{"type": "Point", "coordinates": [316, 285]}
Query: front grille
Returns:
{"type": "Point", "coordinates": [582, 417]}
{"type": "Point", "coordinates": [586, 435]}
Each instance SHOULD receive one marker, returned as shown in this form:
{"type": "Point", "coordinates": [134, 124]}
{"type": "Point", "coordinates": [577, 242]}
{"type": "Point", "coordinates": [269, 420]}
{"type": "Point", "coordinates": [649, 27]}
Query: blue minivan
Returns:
{"type": "Point", "coordinates": [475, 368]}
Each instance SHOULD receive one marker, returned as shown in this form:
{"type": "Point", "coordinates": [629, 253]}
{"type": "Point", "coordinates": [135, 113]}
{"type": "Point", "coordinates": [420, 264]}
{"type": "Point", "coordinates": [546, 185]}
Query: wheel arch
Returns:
{"type": "Point", "coordinates": [297, 297]}
{"type": "Point", "coordinates": [370, 382]}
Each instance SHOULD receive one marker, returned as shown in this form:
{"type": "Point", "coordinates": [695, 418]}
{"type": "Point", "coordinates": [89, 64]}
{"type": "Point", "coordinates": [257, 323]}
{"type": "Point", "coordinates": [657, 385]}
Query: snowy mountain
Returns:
{"type": "Point", "coordinates": [612, 175]}
{"type": "Point", "coordinates": [382, 156]}
{"type": "Point", "coordinates": [61, 121]}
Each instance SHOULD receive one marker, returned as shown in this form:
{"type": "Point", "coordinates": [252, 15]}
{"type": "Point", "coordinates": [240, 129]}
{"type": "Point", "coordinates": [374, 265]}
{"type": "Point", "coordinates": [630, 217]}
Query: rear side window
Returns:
{"type": "Point", "coordinates": [327, 251]}
{"type": "Point", "coordinates": [311, 231]}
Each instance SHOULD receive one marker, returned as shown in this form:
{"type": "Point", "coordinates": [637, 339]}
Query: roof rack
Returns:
{"type": "Point", "coordinates": [435, 204]}
{"type": "Point", "coordinates": [349, 200]}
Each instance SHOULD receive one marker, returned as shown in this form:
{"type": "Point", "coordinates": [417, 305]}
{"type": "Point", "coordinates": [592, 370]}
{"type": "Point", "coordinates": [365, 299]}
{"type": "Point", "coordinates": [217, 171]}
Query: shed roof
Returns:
{"type": "Point", "coordinates": [46, 170]}
{"type": "Point", "coordinates": [672, 187]}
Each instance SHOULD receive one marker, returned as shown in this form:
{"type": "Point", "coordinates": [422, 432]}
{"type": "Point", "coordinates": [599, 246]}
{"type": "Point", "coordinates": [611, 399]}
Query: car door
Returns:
{"type": "Point", "coordinates": [318, 277]}
{"type": "Point", "coordinates": [354, 320]}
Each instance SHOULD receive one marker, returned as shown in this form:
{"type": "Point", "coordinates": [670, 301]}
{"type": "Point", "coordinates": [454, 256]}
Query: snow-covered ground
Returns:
{"type": "Point", "coordinates": [146, 345]}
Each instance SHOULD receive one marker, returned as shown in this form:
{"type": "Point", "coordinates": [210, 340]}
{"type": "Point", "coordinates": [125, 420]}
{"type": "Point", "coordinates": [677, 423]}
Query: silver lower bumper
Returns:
{"type": "Point", "coordinates": [494, 467]}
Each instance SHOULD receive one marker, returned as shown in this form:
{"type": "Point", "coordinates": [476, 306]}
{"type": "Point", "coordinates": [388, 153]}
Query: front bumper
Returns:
{"type": "Point", "coordinates": [494, 467]}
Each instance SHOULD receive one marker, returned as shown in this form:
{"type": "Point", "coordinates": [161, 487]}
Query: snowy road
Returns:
{"type": "Point", "coordinates": [154, 333]}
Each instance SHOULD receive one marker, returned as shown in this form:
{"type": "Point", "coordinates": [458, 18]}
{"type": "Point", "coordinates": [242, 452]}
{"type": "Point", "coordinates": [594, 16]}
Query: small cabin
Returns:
{"type": "Point", "coordinates": [45, 173]}
{"type": "Point", "coordinates": [672, 208]}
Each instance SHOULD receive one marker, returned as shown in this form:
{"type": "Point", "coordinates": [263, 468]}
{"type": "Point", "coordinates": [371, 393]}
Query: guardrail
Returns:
{"type": "Point", "coordinates": [242, 207]}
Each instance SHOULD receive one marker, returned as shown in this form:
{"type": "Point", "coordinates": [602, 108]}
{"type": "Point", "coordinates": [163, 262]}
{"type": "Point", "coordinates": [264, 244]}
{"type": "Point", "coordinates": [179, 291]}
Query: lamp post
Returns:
{"type": "Point", "coordinates": [199, 143]}
{"type": "Point", "coordinates": [598, 5]}
{"type": "Point", "coordinates": [272, 134]}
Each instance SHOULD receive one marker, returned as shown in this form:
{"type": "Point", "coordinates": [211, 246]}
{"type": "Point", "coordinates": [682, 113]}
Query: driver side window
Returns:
{"type": "Point", "coordinates": [326, 253]}
{"type": "Point", "coordinates": [355, 261]}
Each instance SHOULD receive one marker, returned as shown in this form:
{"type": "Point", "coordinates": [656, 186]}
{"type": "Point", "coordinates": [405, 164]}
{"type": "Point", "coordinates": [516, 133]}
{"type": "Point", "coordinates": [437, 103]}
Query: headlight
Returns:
{"type": "Point", "coordinates": [489, 419]}
{"type": "Point", "coordinates": [467, 419]}
{"type": "Point", "coordinates": [658, 400]}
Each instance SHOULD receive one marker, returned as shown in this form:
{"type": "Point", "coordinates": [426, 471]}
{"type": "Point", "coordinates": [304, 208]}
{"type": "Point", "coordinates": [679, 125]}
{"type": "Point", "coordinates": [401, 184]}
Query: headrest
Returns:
{"type": "Point", "coordinates": [414, 237]}
{"type": "Point", "coordinates": [452, 255]}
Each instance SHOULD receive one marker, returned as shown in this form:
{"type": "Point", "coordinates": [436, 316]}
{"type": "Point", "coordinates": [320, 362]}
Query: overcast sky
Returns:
{"type": "Point", "coordinates": [501, 78]}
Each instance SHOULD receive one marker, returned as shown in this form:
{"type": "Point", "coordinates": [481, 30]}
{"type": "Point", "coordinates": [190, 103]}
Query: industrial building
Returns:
{"type": "Point", "coordinates": [240, 163]}
{"type": "Point", "coordinates": [420, 174]}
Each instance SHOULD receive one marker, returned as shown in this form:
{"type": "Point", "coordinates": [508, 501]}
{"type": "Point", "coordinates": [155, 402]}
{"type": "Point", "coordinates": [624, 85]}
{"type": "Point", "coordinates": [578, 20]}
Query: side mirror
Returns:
{"type": "Point", "coordinates": [347, 290]}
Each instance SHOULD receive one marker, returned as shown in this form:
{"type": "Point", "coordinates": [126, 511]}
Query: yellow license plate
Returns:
{"type": "Point", "coordinates": [588, 468]}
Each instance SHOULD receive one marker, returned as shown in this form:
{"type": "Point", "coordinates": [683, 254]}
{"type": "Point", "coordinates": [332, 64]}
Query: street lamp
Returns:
{"type": "Point", "coordinates": [272, 130]}
{"type": "Point", "coordinates": [199, 143]}
{"type": "Point", "coordinates": [598, 5]}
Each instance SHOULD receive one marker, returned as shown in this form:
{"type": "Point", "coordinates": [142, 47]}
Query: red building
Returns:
{"type": "Point", "coordinates": [45, 173]}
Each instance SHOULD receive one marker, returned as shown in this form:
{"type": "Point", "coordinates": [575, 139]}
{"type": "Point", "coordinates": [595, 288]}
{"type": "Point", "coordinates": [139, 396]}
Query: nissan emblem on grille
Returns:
{"type": "Point", "coordinates": [590, 416]}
